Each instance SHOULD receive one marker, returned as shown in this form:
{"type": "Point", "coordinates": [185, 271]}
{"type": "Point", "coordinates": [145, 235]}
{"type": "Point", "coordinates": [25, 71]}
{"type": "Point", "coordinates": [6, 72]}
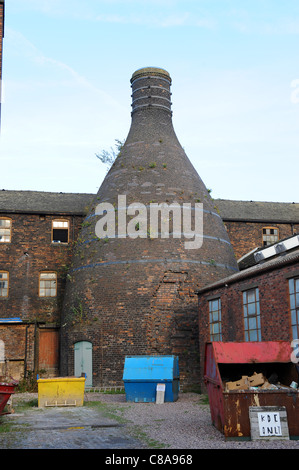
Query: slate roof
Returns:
{"type": "Point", "coordinates": [77, 204]}
{"type": "Point", "coordinates": [256, 211]}
{"type": "Point", "coordinates": [39, 202]}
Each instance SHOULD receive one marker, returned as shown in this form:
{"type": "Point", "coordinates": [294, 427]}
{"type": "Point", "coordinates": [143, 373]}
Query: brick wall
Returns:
{"type": "Point", "coordinates": [126, 303]}
{"type": "Point", "coordinates": [274, 307]}
{"type": "Point", "coordinates": [31, 251]}
{"type": "Point", "coordinates": [19, 341]}
{"type": "Point", "coordinates": [245, 236]}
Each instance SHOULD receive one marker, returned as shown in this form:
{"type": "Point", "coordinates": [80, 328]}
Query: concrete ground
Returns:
{"type": "Point", "coordinates": [86, 427]}
{"type": "Point", "coordinates": [109, 422]}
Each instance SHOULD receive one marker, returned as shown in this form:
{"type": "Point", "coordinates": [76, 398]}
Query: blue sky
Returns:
{"type": "Point", "coordinates": [235, 70]}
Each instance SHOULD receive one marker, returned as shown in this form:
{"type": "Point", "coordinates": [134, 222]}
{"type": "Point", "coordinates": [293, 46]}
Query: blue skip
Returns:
{"type": "Point", "coordinates": [142, 374]}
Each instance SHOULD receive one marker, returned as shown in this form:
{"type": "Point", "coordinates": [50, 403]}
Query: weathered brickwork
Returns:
{"type": "Point", "coordinates": [272, 283]}
{"type": "Point", "coordinates": [137, 296]}
{"type": "Point", "coordinates": [165, 318]}
{"type": "Point", "coordinates": [245, 236]}
{"type": "Point", "coordinates": [129, 296]}
{"type": "Point", "coordinates": [30, 252]}
{"type": "Point", "coordinates": [18, 346]}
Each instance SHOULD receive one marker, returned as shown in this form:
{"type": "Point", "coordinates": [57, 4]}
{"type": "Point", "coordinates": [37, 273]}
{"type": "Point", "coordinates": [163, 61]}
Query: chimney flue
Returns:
{"type": "Point", "coordinates": [151, 89]}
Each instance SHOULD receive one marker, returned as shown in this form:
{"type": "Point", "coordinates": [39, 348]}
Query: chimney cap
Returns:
{"type": "Point", "coordinates": [145, 71]}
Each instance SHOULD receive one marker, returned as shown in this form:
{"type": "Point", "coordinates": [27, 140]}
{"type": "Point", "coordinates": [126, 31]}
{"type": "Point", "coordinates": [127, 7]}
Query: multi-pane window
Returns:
{"type": "Point", "coordinates": [5, 230]}
{"type": "Point", "coordinates": [47, 284]}
{"type": "Point", "coordinates": [270, 235]}
{"type": "Point", "coordinates": [294, 304]}
{"type": "Point", "coordinates": [252, 319]}
{"type": "Point", "coordinates": [3, 284]}
{"type": "Point", "coordinates": [60, 231]}
{"type": "Point", "coordinates": [215, 319]}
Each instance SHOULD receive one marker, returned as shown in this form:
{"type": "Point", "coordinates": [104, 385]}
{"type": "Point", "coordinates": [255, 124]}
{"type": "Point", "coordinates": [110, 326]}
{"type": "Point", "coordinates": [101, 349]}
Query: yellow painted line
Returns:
{"type": "Point", "coordinates": [75, 427]}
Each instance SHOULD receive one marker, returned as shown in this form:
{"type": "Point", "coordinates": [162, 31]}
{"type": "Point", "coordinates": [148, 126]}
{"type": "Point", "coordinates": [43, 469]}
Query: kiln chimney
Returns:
{"type": "Point", "coordinates": [134, 293]}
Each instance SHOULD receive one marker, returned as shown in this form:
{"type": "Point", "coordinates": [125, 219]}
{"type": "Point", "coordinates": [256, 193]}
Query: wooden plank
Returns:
{"type": "Point", "coordinates": [268, 423]}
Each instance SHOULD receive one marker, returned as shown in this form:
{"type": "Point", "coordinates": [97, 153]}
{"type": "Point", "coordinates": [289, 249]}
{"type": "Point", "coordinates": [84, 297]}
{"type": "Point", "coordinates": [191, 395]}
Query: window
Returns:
{"type": "Point", "coordinates": [47, 284]}
{"type": "Point", "coordinates": [215, 320]}
{"type": "Point", "coordinates": [60, 231]}
{"type": "Point", "coordinates": [294, 305]}
{"type": "Point", "coordinates": [5, 230]}
{"type": "Point", "coordinates": [3, 284]}
{"type": "Point", "coordinates": [270, 235]}
{"type": "Point", "coordinates": [252, 320]}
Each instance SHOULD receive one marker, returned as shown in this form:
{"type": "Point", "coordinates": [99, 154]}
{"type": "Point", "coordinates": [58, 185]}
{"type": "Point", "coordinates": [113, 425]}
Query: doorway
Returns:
{"type": "Point", "coordinates": [83, 361]}
{"type": "Point", "coordinates": [49, 351]}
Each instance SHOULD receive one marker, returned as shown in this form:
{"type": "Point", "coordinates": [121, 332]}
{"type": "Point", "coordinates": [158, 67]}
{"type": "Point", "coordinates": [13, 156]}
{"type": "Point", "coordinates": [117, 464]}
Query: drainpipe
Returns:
{"type": "Point", "coordinates": [35, 348]}
{"type": "Point", "coordinates": [25, 358]}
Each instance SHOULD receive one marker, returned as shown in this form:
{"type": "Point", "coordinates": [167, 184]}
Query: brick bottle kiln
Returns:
{"type": "Point", "coordinates": [136, 296]}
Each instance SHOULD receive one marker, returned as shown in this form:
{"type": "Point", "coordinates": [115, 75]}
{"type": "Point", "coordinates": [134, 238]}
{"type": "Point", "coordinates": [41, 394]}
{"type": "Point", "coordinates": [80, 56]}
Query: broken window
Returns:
{"type": "Point", "coordinates": [252, 319]}
{"type": "Point", "coordinates": [215, 320]}
{"type": "Point", "coordinates": [60, 231]}
{"type": "Point", "coordinates": [270, 235]}
{"type": "Point", "coordinates": [294, 306]}
{"type": "Point", "coordinates": [5, 230]}
{"type": "Point", "coordinates": [3, 284]}
{"type": "Point", "coordinates": [47, 284]}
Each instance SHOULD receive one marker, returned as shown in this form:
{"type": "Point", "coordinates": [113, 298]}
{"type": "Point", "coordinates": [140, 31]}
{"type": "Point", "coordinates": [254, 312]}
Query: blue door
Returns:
{"type": "Point", "coordinates": [83, 361]}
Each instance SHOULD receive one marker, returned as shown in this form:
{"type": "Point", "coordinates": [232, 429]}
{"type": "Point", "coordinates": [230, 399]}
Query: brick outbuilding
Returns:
{"type": "Point", "coordinates": [35, 257]}
{"type": "Point", "coordinates": [259, 303]}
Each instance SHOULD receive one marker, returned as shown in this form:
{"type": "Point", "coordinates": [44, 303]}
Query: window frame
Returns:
{"type": "Point", "coordinates": [212, 322]}
{"type": "Point", "coordinates": [68, 232]}
{"type": "Point", "coordinates": [7, 280]}
{"type": "Point", "coordinates": [10, 229]}
{"type": "Point", "coordinates": [39, 285]}
{"type": "Point", "coordinates": [294, 310]}
{"type": "Point", "coordinates": [269, 227]}
{"type": "Point", "coordinates": [250, 316]}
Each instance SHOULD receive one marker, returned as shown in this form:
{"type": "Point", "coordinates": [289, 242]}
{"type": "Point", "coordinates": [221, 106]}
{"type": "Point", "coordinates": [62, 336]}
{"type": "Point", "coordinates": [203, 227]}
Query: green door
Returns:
{"type": "Point", "coordinates": [83, 361]}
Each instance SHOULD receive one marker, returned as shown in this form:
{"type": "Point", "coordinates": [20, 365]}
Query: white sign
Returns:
{"type": "Point", "coordinates": [269, 424]}
{"type": "Point", "coordinates": [160, 387]}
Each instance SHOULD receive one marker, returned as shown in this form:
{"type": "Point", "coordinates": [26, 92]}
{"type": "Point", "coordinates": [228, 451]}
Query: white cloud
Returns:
{"type": "Point", "coordinates": [23, 47]}
{"type": "Point", "coordinates": [53, 116]}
